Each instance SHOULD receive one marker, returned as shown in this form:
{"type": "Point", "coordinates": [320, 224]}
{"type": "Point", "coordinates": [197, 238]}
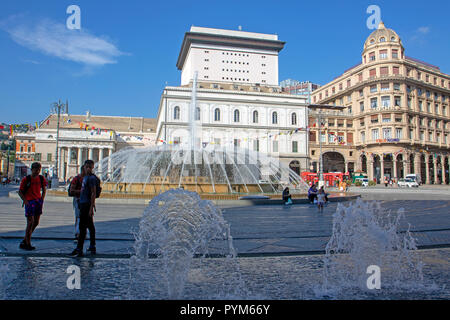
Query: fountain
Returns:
{"type": "Point", "coordinates": [366, 235]}
{"type": "Point", "coordinates": [208, 169]}
{"type": "Point", "coordinates": [176, 227]}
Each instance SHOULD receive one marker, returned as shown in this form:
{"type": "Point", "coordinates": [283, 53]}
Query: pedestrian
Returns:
{"type": "Point", "coordinates": [391, 182]}
{"type": "Point", "coordinates": [312, 193]}
{"type": "Point", "coordinates": [386, 182]}
{"type": "Point", "coordinates": [287, 199]}
{"type": "Point", "coordinates": [75, 191]}
{"type": "Point", "coordinates": [321, 199]}
{"type": "Point", "coordinates": [87, 207]}
{"type": "Point", "coordinates": [32, 192]}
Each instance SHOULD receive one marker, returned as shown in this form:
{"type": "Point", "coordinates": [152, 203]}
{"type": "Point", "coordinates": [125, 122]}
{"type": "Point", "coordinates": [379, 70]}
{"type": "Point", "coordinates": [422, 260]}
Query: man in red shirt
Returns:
{"type": "Point", "coordinates": [32, 192]}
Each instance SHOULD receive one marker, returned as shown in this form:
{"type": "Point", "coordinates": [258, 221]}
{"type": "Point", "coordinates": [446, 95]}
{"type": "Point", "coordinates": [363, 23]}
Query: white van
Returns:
{"type": "Point", "coordinates": [415, 177]}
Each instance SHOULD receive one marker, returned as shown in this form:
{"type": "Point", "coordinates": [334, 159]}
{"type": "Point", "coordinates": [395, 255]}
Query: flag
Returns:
{"type": "Point", "coordinates": [2, 127]}
{"type": "Point", "coordinates": [48, 121]}
{"type": "Point", "coordinates": [37, 125]}
{"type": "Point", "coordinates": [11, 129]}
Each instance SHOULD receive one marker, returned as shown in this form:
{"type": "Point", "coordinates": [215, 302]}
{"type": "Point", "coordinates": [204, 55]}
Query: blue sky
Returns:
{"type": "Point", "coordinates": [126, 51]}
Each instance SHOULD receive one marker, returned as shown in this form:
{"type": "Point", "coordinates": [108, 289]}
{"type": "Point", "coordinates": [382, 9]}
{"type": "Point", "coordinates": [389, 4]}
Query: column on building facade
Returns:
{"type": "Point", "coordinates": [91, 154]}
{"type": "Point", "coordinates": [69, 159]}
{"type": "Point", "coordinates": [382, 167]}
{"type": "Point", "coordinates": [406, 165]}
{"type": "Point", "coordinates": [346, 166]}
{"type": "Point", "coordinates": [436, 179]}
{"type": "Point", "coordinates": [109, 161]}
{"type": "Point", "coordinates": [100, 158]}
{"type": "Point", "coordinates": [427, 169]}
{"type": "Point", "coordinates": [417, 164]}
{"type": "Point", "coordinates": [80, 158]}
{"type": "Point", "coordinates": [394, 163]}
{"type": "Point", "coordinates": [60, 163]}
{"type": "Point", "coordinates": [370, 168]}
{"type": "Point", "coordinates": [444, 179]}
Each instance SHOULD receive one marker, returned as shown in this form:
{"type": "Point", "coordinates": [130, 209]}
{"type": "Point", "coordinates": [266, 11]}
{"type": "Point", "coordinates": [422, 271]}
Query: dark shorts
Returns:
{"type": "Point", "coordinates": [34, 208]}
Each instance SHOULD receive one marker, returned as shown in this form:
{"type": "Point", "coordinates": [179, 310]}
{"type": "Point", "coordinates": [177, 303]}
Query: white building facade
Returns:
{"type": "Point", "coordinates": [251, 113]}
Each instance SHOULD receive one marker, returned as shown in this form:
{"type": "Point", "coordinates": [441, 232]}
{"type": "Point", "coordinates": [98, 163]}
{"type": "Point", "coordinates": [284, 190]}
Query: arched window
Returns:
{"type": "Point", "coordinates": [294, 119]}
{"type": "Point", "coordinates": [217, 114]}
{"type": "Point", "coordinates": [176, 113]}
{"type": "Point", "coordinates": [197, 113]}
{"type": "Point", "coordinates": [392, 38]}
{"type": "Point", "coordinates": [274, 118]}
{"type": "Point", "coordinates": [255, 116]}
{"type": "Point", "coordinates": [236, 115]}
{"type": "Point", "coordinates": [382, 39]}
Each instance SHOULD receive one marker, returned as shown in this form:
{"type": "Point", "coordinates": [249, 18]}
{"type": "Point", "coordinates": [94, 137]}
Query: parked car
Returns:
{"type": "Point", "coordinates": [415, 177]}
{"type": "Point", "coordinates": [364, 181]}
{"type": "Point", "coordinates": [407, 182]}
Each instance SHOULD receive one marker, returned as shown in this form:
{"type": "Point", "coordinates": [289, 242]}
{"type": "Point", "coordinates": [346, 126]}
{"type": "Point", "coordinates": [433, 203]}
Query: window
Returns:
{"type": "Point", "coordinates": [349, 98]}
{"type": "Point", "coordinates": [176, 113]}
{"type": "Point", "coordinates": [375, 135]}
{"type": "Point", "coordinates": [236, 115]}
{"type": "Point", "coordinates": [428, 107]}
{"type": "Point", "coordinates": [420, 105]}
{"type": "Point", "coordinates": [217, 114]}
{"type": "Point", "coordinates": [397, 101]}
{"type": "Point", "coordinates": [418, 75]}
{"type": "Point", "coordinates": [256, 145]}
{"type": "Point", "coordinates": [410, 134]}
{"type": "Point", "coordinates": [360, 77]}
{"type": "Point", "coordinates": [384, 71]}
{"type": "Point", "coordinates": [361, 106]}
{"type": "Point", "coordinates": [255, 116]}
{"type": "Point", "coordinates": [374, 119]}
{"type": "Point", "coordinates": [37, 157]}
{"type": "Point", "coordinates": [197, 113]}
{"type": "Point", "coordinates": [49, 157]}
{"type": "Point", "coordinates": [386, 118]}
{"type": "Point", "coordinates": [385, 87]}
{"type": "Point", "coordinates": [383, 54]}
{"type": "Point", "coordinates": [386, 133]}
{"type": "Point", "coordinates": [372, 73]}
{"type": "Point", "coordinates": [430, 136]}
{"type": "Point", "coordinates": [409, 103]}
{"type": "Point", "coordinates": [349, 109]}
{"type": "Point", "coordinates": [374, 103]}
{"type": "Point", "coordinates": [275, 146]}
{"type": "Point", "coordinates": [323, 137]}
{"type": "Point", "coordinates": [382, 39]}
{"type": "Point", "coordinates": [395, 70]}
{"type": "Point", "coordinates": [373, 89]}
{"type": "Point", "coordinates": [385, 101]}
{"type": "Point", "coordinates": [348, 83]}
{"type": "Point", "coordinates": [274, 118]}
{"type": "Point", "coordinates": [363, 137]}
{"type": "Point", "coordinates": [419, 91]}
{"type": "Point", "coordinates": [422, 136]}
{"type": "Point", "coordinates": [436, 108]}
{"type": "Point", "coordinates": [372, 56]}
{"type": "Point", "coordinates": [396, 86]}
{"type": "Point", "coordinates": [294, 119]}
{"type": "Point", "coordinates": [428, 94]}
{"type": "Point", "coordinates": [398, 133]}
{"type": "Point", "coordinates": [294, 146]}
{"type": "Point", "coordinates": [361, 93]}
{"type": "Point", "coordinates": [394, 54]}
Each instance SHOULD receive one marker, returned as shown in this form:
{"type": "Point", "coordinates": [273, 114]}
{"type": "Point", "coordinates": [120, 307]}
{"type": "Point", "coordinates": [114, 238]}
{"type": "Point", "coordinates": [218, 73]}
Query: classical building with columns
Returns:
{"type": "Point", "coordinates": [83, 137]}
{"type": "Point", "coordinates": [396, 119]}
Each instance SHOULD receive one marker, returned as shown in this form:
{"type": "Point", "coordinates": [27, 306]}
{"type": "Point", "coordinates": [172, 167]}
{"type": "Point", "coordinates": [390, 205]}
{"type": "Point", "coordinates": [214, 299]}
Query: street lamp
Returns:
{"type": "Point", "coordinates": [56, 108]}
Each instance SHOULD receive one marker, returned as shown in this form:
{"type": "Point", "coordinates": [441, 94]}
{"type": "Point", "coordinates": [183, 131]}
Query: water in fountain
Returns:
{"type": "Point", "coordinates": [196, 166]}
{"type": "Point", "coordinates": [4, 279]}
{"type": "Point", "coordinates": [176, 227]}
{"type": "Point", "coordinates": [364, 234]}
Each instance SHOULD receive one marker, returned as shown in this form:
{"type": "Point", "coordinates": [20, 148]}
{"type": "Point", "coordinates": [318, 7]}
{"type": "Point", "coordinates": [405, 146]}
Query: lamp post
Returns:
{"type": "Point", "coordinates": [56, 108]}
{"type": "Point", "coordinates": [319, 122]}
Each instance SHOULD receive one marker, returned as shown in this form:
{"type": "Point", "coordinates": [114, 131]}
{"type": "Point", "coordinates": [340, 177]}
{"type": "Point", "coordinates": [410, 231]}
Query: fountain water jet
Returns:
{"type": "Point", "coordinates": [364, 234]}
{"type": "Point", "coordinates": [177, 226]}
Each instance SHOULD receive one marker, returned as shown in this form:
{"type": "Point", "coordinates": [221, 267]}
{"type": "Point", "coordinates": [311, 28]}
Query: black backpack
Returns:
{"type": "Point", "coordinates": [98, 188]}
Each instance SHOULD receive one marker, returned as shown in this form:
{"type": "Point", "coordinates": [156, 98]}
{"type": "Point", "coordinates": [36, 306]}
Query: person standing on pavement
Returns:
{"type": "Point", "coordinates": [32, 192]}
{"type": "Point", "coordinates": [87, 207]}
{"type": "Point", "coordinates": [75, 192]}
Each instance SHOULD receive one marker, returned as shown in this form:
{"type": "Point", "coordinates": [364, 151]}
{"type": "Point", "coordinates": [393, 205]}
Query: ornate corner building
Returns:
{"type": "Point", "coordinates": [396, 117]}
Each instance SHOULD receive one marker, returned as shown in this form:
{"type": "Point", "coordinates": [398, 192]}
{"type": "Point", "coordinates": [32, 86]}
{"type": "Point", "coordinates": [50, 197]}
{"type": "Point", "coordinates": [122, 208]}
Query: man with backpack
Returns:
{"type": "Point", "coordinates": [75, 191]}
{"type": "Point", "coordinates": [32, 192]}
{"type": "Point", "coordinates": [90, 190]}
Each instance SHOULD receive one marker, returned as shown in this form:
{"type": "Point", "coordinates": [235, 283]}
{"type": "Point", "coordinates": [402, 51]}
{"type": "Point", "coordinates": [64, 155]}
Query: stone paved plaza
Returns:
{"type": "Point", "coordinates": [268, 239]}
